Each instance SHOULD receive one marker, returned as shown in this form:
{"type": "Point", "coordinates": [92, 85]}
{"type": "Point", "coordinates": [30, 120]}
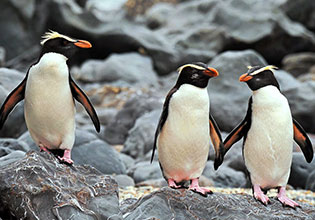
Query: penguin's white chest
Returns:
{"type": "Point", "coordinates": [49, 106]}
{"type": "Point", "coordinates": [269, 142]}
{"type": "Point", "coordinates": [184, 141]}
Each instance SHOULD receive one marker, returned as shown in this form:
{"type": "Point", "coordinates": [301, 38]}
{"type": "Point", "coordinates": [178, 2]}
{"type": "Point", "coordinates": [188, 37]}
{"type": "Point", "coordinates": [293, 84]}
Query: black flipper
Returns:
{"type": "Point", "coordinates": [240, 131]}
{"type": "Point", "coordinates": [303, 141]}
{"type": "Point", "coordinates": [81, 97]}
{"type": "Point", "coordinates": [13, 98]}
{"type": "Point", "coordinates": [216, 139]}
{"type": "Point", "coordinates": [162, 119]}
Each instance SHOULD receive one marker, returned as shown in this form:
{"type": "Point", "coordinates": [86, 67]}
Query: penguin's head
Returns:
{"type": "Point", "coordinates": [258, 77]}
{"type": "Point", "coordinates": [197, 74]}
{"type": "Point", "coordinates": [62, 44]}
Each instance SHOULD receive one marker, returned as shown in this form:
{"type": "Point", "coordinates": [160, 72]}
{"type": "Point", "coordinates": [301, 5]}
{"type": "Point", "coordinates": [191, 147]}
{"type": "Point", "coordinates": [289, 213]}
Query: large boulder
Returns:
{"type": "Point", "coordinates": [299, 63]}
{"type": "Point", "coordinates": [168, 203]}
{"type": "Point", "coordinates": [39, 187]}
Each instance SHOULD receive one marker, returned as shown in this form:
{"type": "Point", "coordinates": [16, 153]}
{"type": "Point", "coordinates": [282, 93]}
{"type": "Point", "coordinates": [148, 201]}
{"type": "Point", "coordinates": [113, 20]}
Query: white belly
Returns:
{"type": "Point", "coordinates": [49, 106]}
{"type": "Point", "coordinates": [184, 141]}
{"type": "Point", "coordinates": [269, 143]}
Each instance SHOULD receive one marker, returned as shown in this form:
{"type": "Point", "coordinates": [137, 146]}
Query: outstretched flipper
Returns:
{"type": "Point", "coordinates": [81, 97]}
{"type": "Point", "coordinates": [216, 140]}
{"type": "Point", "coordinates": [14, 98]}
{"type": "Point", "coordinates": [162, 119]}
{"type": "Point", "coordinates": [240, 131]}
{"type": "Point", "coordinates": [303, 141]}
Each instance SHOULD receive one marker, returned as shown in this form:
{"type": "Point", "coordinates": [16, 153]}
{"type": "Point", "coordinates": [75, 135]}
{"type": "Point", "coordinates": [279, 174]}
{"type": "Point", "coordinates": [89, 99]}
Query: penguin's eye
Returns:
{"type": "Point", "coordinates": [65, 42]}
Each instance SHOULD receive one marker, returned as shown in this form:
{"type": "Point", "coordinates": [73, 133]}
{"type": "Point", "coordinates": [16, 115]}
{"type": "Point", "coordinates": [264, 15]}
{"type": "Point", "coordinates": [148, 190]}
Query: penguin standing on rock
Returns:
{"type": "Point", "coordinates": [268, 130]}
{"type": "Point", "coordinates": [49, 94]}
{"type": "Point", "coordinates": [185, 128]}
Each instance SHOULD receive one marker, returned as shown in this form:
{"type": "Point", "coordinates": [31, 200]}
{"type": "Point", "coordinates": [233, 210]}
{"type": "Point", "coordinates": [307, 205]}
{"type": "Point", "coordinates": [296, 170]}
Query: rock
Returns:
{"type": "Point", "coordinates": [145, 171]}
{"type": "Point", "coordinates": [11, 157]}
{"type": "Point", "coordinates": [2, 56]}
{"type": "Point", "coordinates": [226, 92]}
{"type": "Point", "coordinates": [300, 170]}
{"type": "Point", "coordinates": [9, 145]}
{"type": "Point", "coordinates": [14, 126]}
{"type": "Point", "coordinates": [286, 80]}
{"type": "Point", "coordinates": [124, 181]}
{"type": "Point", "coordinates": [310, 182]}
{"type": "Point", "coordinates": [159, 183]}
{"type": "Point", "coordinates": [89, 149]}
{"type": "Point", "coordinates": [141, 136]}
{"type": "Point", "coordinates": [139, 70]}
{"type": "Point", "coordinates": [39, 187]}
{"type": "Point", "coordinates": [302, 11]}
{"type": "Point", "coordinates": [302, 103]}
{"type": "Point", "coordinates": [116, 132]}
{"type": "Point", "coordinates": [224, 176]}
{"type": "Point", "coordinates": [168, 203]}
{"type": "Point", "coordinates": [299, 63]}
{"type": "Point", "coordinates": [127, 160]}
{"type": "Point", "coordinates": [157, 15]}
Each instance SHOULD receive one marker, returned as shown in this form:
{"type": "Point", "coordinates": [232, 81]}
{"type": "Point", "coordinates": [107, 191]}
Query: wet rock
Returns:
{"type": "Point", "coordinates": [139, 70]}
{"type": "Point", "coordinates": [299, 63]}
{"type": "Point", "coordinates": [300, 170]}
{"type": "Point", "coordinates": [141, 136]}
{"type": "Point", "coordinates": [39, 187]}
{"type": "Point", "coordinates": [116, 132]}
{"type": "Point", "coordinates": [168, 203]}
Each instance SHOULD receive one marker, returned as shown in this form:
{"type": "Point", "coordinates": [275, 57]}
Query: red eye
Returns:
{"type": "Point", "coordinates": [65, 42]}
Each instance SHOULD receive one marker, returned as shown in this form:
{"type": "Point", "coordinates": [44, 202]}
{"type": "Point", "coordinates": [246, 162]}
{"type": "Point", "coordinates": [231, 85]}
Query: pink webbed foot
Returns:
{"type": "Point", "coordinates": [260, 196]}
{"type": "Point", "coordinates": [66, 157]}
{"type": "Point", "coordinates": [194, 186]}
{"type": "Point", "coordinates": [285, 200]}
{"type": "Point", "coordinates": [172, 184]}
{"type": "Point", "coordinates": [43, 148]}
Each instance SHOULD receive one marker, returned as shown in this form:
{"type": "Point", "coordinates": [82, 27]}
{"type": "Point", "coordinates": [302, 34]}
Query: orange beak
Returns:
{"type": "Point", "coordinates": [245, 77]}
{"type": "Point", "coordinates": [211, 72]}
{"type": "Point", "coordinates": [83, 44]}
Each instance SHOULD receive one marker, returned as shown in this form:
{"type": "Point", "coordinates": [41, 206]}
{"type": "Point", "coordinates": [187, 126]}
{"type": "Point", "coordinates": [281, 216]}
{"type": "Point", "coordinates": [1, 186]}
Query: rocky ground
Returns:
{"type": "Point", "coordinates": [137, 48]}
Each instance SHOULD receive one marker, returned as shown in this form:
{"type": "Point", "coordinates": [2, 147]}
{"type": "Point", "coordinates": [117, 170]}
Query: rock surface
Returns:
{"type": "Point", "coordinates": [168, 203]}
{"type": "Point", "coordinates": [39, 187]}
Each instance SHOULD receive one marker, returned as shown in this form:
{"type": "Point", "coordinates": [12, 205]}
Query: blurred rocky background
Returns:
{"type": "Point", "coordinates": [137, 47]}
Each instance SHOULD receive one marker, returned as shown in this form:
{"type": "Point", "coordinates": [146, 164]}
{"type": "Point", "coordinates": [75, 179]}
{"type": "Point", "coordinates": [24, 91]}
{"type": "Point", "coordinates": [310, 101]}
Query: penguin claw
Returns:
{"type": "Point", "coordinates": [260, 196]}
{"type": "Point", "coordinates": [285, 200]}
{"type": "Point", "coordinates": [65, 160]}
{"type": "Point", "coordinates": [194, 186]}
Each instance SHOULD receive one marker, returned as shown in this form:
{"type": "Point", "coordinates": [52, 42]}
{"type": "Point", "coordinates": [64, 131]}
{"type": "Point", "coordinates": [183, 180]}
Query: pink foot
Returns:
{"type": "Point", "coordinates": [172, 184]}
{"type": "Point", "coordinates": [259, 195]}
{"type": "Point", "coordinates": [66, 157]}
{"type": "Point", "coordinates": [284, 199]}
{"type": "Point", "coordinates": [43, 148]}
{"type": "Point", "coordinates": [194, 186]}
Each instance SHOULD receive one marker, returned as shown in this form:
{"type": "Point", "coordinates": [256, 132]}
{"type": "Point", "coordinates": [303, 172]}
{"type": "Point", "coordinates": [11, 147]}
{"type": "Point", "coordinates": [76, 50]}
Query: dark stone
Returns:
{"type": "Point", "coordinates": [310, 182]}
{"type": "Point", "coordinates": [8, 145]}
{"type": "Point", "coordinates": [168, 203]}
{"type": "Point", "coordinates": [300, 170]}
{"type": "Point", "coordinates": [124, 181]}
{"type": "Point", "coordinates": [299, 63]}
{"type": "Point", "coordinates": [39, 187]}
{"type": "Point", "coordinates": [145, 171]}
{"type": "Point", "coordinates": [11, 157]}
{"type": "Point", "coordinates": [2, 56]}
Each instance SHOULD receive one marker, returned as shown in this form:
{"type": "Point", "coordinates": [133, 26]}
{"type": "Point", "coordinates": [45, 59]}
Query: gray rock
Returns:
{"type": "Point", "coordinates": [127, 160]}
{"type": "Point", "coordinates": [141, 136]}
{"type": "Point", "coordinates": [9, 145]}
{"type": "Point", "coordinates": [157, 15]}
{"type": "Point", "coordinates": [225, 176]}
{"type": "Point", "coordinates": [2, 56]}
{"type": "Point", "coordinates": [15, 123]}
{"type": "Point", "coordinates": [11, 157]}
{"type": "Point", "coordinates": [299, 63]}
{"type": "Point", "coordinates": [226, 92]}
{"type": "Point", "coordinates": [124, 181]}
{"type": "Point", "coordinates": [300, 170]}
{"type": "Point", "coordinates": [168, 203]}
{"type": "Point", "coordinates": [310, 182]}
{"type": "Point", "coordinates": [116, 132]}
{"type": "Point", "coordinates": [302, 103]}
{"type": "Point", "coordinates": [39, 187]}
{"type": "Point", "coordinates": [145, 171]}
{"type": "Point", "coordinates": [139, 70]}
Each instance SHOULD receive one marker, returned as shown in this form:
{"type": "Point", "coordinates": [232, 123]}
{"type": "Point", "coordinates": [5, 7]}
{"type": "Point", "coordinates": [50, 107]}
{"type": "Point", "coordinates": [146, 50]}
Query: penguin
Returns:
{"type": "Point", "coordinates": [49, 93]}
{"type": "Point", "coordinates": [185, 128]}
{"type": "Point", "coordinates": [268, 130]}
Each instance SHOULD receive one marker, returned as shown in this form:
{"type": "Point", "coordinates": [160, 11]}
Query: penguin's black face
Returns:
{"type": "Point", "coordinates": [197, 74]}
{"type": "Point", "coordinates": [258, 77]}
{"type": "Point", "coordinates": [63, 45]}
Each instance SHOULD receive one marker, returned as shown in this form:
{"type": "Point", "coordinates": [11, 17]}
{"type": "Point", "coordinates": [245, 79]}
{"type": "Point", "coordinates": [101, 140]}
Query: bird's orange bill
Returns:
{"type": "Point", "coordinates": [211, 72]}
{"type": "Point", "coordinates": [245, 77]}
{"type": "Point", "coordinates": [80, 96]}
{"type": "Point", "coordinates": [216, 140]}
{"type": "Point", "coordinates": [83, 44]}
{"type": "Point", "coordinates": [14, 98]}
{"type": "Point", "coordinates": [303, 141]}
